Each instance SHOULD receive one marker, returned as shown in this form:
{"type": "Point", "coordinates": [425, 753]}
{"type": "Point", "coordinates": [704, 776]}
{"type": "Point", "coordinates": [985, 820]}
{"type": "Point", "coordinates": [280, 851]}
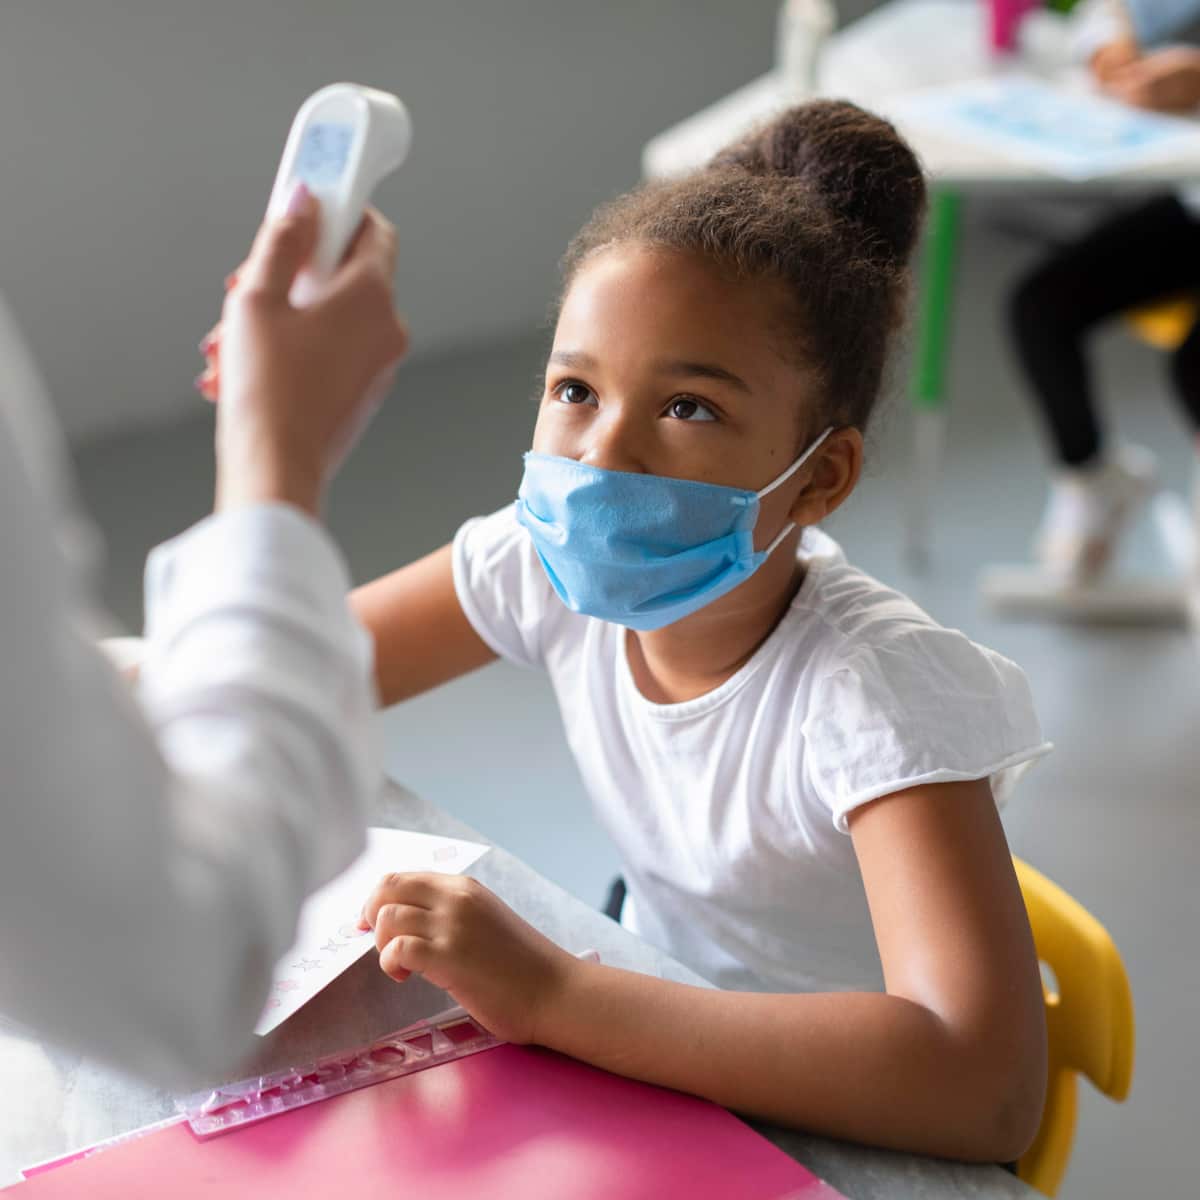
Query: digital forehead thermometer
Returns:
{"type": "Point", "coordinates": [344, 140]}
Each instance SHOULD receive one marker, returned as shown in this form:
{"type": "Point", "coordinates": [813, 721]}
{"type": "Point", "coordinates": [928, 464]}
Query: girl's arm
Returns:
{"type": "Point", "coordinates": [422, 636]}
{"type": "Point", "coordinates": [951, 1060]}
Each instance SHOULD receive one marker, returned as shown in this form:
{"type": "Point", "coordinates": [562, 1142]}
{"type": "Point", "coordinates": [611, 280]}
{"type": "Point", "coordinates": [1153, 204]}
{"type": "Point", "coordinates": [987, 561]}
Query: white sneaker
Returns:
{"type": "Point", "coordinates": [1088, 510]}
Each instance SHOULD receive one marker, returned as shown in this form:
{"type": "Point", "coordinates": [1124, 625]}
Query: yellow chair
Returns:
{"type": "Point", "coordinates": [1089, 1019]}
{"type": "Point", "coordinates": [1165, 323]}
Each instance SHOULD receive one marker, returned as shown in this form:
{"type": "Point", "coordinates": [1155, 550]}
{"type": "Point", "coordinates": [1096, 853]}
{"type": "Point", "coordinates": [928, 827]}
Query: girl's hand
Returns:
{"type": "Point", "coordinates": [1112, 56]}
{"type": "Point", "coordinates": [295, 384]}
{"type": "Point", "coordinates": [1167, 81]}
{"type": "Point", "coordinates": [464, 939]}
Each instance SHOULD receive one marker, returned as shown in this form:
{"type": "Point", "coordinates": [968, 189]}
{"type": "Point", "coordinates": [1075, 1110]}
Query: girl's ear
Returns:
{"type": "Point", "coordinates": [833, 475]}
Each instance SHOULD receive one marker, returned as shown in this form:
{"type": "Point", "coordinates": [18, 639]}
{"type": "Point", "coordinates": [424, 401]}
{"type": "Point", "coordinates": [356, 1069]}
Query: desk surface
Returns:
{"type": "Point", "coordinates": [52, 1102]}
{"type": "Point", "coordinates": [902, 47]}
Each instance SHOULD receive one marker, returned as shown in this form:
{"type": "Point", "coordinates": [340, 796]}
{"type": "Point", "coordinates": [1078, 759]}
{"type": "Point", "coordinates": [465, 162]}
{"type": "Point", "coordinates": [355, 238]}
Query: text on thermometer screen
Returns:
{"type": "Point", "coordinates": [323, 152]}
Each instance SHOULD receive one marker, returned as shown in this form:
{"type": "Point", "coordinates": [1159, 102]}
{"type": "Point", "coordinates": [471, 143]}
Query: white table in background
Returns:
{"type": "Point", "coordinates": [903, 47]}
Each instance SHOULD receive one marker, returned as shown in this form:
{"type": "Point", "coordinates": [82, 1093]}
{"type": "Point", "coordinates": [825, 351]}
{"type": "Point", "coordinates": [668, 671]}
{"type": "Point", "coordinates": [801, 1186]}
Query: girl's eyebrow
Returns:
{"type": "Point", "coordinates": [686, 367]}
{"type": "Point", "coordinates": [573, 358]}
{"type": "Point", "coordinates": [704, 371]}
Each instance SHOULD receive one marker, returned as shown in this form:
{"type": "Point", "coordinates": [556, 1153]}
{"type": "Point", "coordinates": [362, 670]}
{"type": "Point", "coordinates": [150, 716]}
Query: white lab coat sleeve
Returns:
{"type": "Point", "coordinates": [155, 849]}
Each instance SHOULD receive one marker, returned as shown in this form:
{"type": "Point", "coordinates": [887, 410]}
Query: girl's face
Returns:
{"type": "Point", "coordinates": [663, 366]}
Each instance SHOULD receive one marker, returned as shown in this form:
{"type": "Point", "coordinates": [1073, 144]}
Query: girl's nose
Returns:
{"type": "Point", "coordinates": [614, 443]}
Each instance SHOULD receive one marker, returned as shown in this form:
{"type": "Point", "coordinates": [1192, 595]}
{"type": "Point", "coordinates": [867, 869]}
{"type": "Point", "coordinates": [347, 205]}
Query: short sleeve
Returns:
{"type": "Point", "coordinates": [925, 706]}
{"type": "Point", "coordinates": [502, 587]}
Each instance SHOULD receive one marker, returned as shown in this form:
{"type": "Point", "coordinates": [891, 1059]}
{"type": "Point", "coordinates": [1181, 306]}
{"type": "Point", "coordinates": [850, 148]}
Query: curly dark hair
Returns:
{"type": "Point", "coordinates": [827, 200]}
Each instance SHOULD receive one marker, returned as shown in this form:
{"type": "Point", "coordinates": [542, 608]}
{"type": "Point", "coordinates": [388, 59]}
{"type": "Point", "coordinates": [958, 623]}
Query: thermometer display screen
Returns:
{"type": "Point", "coordinates": [323, 152]}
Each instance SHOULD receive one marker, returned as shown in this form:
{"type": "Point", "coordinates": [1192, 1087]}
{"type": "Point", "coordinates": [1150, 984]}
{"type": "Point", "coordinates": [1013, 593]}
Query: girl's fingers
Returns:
{"type": "Point", "coordinates": [410, 889]}
{"type": "Point", "coordinates": [396, 920]}
{"type": "Point", "coordinates": [1129, 93]}
{"type": "Point", "coordinates": [403, 956]}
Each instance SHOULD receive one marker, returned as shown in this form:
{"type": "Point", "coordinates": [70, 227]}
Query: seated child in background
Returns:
{"type": "Point", "coordinates": [1139, 255]}
{"type": "Point", "coordinates": [798, 766]}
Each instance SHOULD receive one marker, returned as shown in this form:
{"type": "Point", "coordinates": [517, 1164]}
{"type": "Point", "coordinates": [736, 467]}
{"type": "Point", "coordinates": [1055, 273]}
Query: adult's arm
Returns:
{"type": "Point", "coordinates": [154, 851]}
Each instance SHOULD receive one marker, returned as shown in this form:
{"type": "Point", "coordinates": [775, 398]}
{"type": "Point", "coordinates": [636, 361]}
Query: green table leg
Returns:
{"type": "Point", "coordinates": [937, 283]}
{"type": "Point", "coordinates": [927, 387]}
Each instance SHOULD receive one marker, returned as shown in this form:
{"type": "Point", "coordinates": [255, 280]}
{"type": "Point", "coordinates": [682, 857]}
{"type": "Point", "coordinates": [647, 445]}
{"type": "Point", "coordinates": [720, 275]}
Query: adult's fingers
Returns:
{"type": "Point", "coordinates": [208, 384]}
{"type": "Point", "coordinates": [373, 249]}
{"type": "Point", "coordinates": [282, 247]}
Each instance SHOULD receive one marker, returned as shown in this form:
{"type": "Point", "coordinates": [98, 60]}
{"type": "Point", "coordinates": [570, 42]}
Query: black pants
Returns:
{"type": "Point", "coordinates": [1134, 258]}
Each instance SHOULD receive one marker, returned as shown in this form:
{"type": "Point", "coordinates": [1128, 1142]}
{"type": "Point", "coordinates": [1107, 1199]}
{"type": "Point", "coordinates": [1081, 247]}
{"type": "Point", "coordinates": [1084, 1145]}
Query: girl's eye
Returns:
{"type": "Point", "coordinates": [687, 409]}
{"type": "Point", "coordinates": [574, 393]}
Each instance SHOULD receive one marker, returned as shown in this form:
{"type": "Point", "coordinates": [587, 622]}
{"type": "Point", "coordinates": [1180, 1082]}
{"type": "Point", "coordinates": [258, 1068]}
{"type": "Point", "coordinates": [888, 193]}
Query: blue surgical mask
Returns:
{"type": "Point", "coordinates": [641, 550]}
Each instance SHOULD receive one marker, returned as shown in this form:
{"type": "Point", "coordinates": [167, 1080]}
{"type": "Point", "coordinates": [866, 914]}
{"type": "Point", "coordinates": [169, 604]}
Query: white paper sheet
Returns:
{"type": "Point", "coordinates": [1071, 133]}
{"type": "Point", "coordinates": [327, 941]}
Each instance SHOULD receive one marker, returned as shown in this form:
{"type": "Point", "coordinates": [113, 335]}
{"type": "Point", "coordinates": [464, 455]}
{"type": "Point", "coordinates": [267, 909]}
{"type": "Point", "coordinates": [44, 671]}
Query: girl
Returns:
{"type": "Point", "coordinates": [798, 766]}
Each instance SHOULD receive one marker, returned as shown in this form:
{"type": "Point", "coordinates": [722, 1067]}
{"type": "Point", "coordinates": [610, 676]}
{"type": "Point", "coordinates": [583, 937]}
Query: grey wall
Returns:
{"type": "Point", "coordinates": [138, 140]}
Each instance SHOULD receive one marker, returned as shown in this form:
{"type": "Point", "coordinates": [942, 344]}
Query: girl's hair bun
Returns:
{"type": "Point", "coordinates": [826, 202]}
{"type": "Point", "coordinates": [856, 163]}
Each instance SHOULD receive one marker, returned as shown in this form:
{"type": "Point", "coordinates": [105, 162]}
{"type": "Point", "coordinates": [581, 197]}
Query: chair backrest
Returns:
{"type": "Point", "coordinates": [1165, 324]}
{"type": "Point", "coordinates": [1089, 1018]}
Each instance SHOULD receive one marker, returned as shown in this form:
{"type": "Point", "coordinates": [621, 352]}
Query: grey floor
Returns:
{"type": "Point", "coordinates": [1114, 815]}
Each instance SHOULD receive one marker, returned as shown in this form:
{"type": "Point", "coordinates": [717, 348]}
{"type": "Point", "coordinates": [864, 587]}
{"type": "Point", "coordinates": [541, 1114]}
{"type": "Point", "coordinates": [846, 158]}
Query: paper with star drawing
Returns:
{"type": "Point", "coordinates": [327, 940]}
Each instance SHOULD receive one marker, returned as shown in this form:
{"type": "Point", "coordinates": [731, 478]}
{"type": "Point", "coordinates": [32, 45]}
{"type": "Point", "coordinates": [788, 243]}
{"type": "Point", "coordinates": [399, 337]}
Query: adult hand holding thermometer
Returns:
{"type": "Point", "coordinates": [308, 329]}
{"type": "Point", "coordinates": [257, 696]}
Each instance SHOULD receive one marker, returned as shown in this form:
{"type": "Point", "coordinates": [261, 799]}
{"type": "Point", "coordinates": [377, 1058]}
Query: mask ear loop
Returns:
{"type": "Point", "coordinates": [782, 479]}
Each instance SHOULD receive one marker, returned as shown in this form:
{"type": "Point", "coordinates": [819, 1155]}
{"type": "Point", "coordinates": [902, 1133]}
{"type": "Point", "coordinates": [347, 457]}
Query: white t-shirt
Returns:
{"type": "Point", "coordinates": [729, 810]}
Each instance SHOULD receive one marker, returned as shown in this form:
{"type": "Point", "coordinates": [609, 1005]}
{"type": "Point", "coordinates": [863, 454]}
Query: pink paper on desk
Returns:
{"type": "Point", "coordinates": [517, 1122]}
